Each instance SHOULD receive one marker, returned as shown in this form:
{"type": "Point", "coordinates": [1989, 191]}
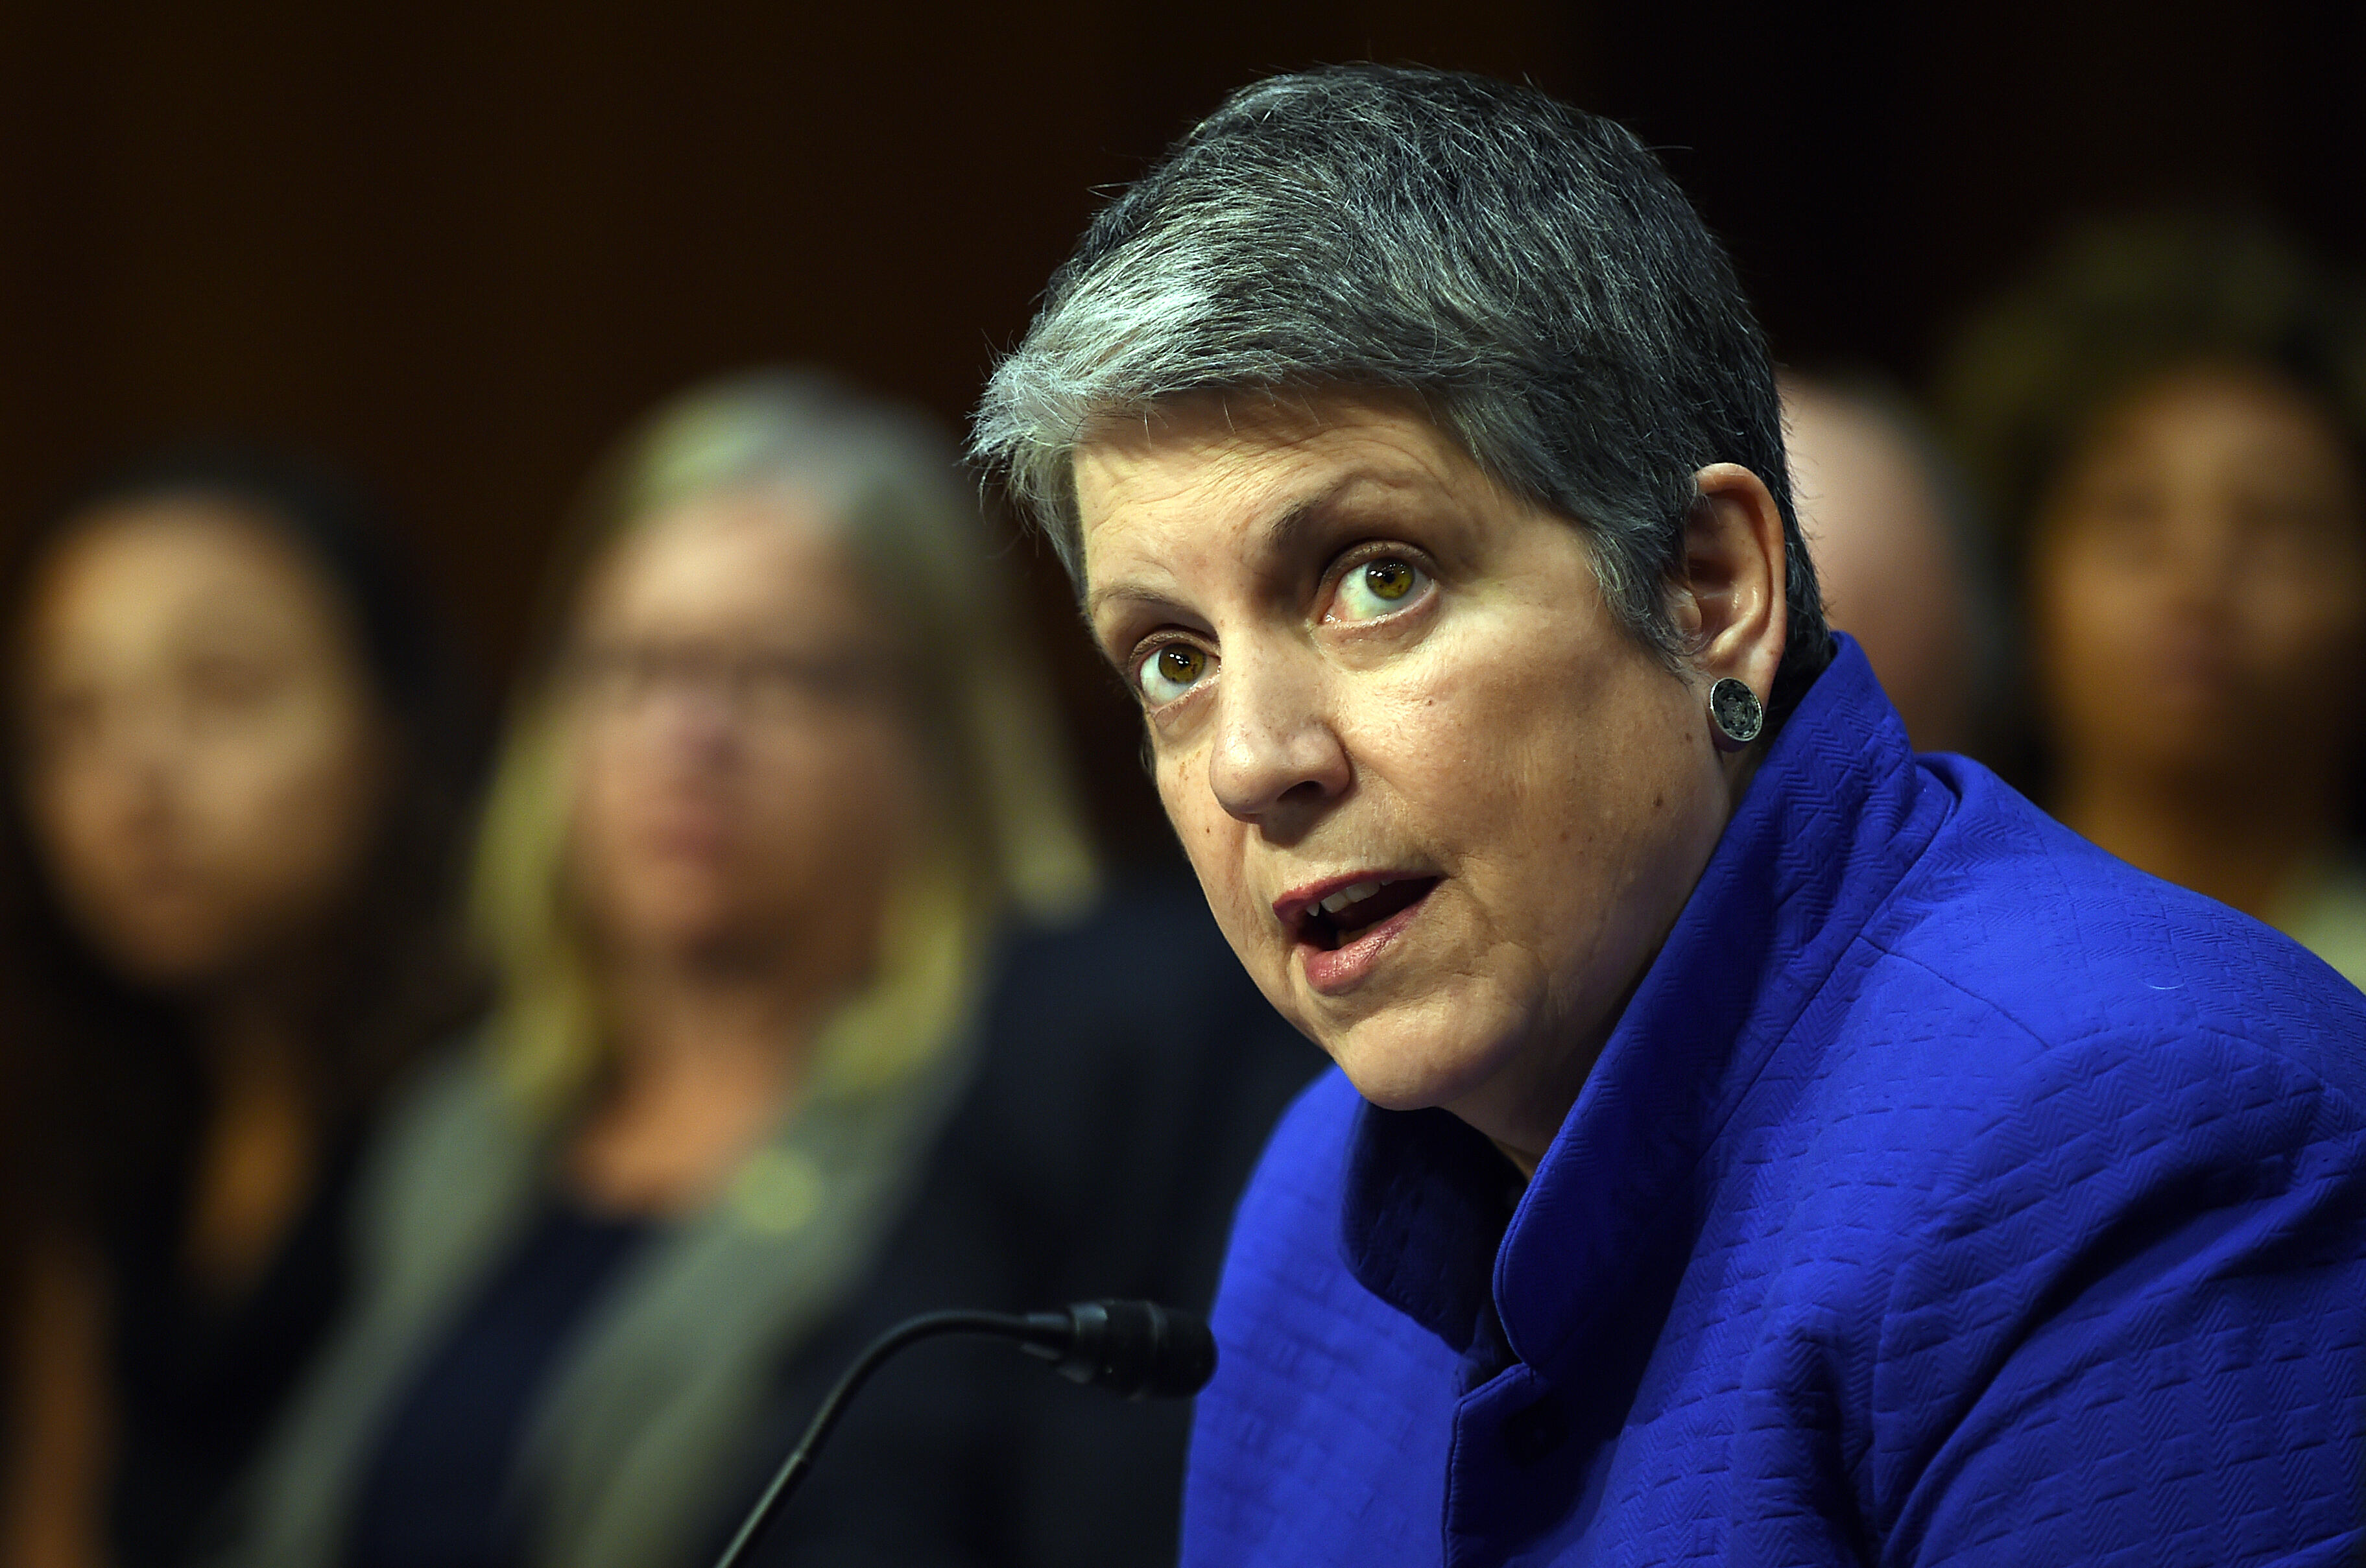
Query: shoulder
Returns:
{"type": "Point", "coordinates": [2032, 1052]}
{"type": "Point", "coordinates": [2120, 1134]}
{"type": "Point", "coordinates": [2021, 997]}
{"type": "Point", "coordinates": [452, 1159]}
{"type": "Point", "coordinates": [421, 1223]}
{"type": "Point", "coordinates": [2042, 935]}
{"type": "Point", "coordinates": [2148, 1235]}
{"type": "Point", "coordinates": [452, 1107]}
{"type": "Point", "coordinates": [2066, 1038]}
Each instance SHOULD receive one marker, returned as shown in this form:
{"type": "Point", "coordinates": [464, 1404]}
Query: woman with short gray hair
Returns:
{"type": "Point", "coordinates": [1752, 1141]}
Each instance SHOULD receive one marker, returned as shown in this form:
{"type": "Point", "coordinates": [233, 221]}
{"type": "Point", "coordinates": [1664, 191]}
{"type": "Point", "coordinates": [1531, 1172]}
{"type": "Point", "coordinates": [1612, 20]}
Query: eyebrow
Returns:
{"type": "Point", "coordinates": [1281, 536]}
{"type": "Point", "coordinates": [1097, 597]}
{"type": "Point", "coordinates": [1278, 536]}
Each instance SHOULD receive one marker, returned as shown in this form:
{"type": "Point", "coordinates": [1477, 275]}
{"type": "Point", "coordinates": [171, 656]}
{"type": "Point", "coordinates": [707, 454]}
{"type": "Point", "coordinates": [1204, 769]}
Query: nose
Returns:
{"type": "Point", "coordinates": [2205, 553]}
{"type": "Point", "coordinates": [698, 724]}
{"type": "Point", "coordinates": [1277, 760]}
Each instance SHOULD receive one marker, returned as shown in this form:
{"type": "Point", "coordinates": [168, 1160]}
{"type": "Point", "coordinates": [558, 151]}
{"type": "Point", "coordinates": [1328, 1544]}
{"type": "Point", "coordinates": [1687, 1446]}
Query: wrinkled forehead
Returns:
{"type": "Point", "coordinates": [1213, 478]}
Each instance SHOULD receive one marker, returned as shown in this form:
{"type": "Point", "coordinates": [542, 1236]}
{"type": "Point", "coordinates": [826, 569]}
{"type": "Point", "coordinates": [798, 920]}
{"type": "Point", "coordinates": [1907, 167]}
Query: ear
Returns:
{"type": "Point", "coordinates": [1730, 606]}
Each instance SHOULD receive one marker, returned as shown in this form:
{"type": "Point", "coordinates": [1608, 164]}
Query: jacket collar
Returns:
{"type": "Point", "coordinates": [1836, 813]}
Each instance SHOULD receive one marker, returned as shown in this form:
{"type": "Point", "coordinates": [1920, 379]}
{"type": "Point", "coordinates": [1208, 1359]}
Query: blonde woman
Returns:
{"type": "Point", "coordinates": [770, 790]}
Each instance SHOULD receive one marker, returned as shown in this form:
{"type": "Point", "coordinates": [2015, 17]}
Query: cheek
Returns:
{"type": "Point", "coordinates": [1569, 785]}
{"type": "Point", "coordinates": [1509, 742]}
{"type": "Point", "coordinates": [2303, 620]}
{"type": "Point", "coordinates": [296, 802]}
{"type": "Point", "coordinates": [1212, 839]}
{"type": "Point", "coordinates": [843, 811]}
{"type": "Point", "coordinates": [1220, 849]}
{"type": "Point", "coordinates": [599, 793]}
{"type": "Point", "coordinates": [2086, 617]}
{"type": "Point", "coordinates": [1572, 791]}
{"type": "Point", "coordinates": [617, 775]}
{"type": "Point", "coordinates": [79, 825]}
{"type": "Point", "coordinates": [68, 801]}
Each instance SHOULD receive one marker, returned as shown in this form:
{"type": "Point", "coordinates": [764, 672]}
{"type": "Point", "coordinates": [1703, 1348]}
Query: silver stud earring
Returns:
{"type": "Point", "coordinates": [1735, 714]}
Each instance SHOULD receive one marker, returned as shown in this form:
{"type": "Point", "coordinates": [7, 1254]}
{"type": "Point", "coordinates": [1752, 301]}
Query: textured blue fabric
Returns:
{"type": "Point", "coordinates": [1949, 1193]}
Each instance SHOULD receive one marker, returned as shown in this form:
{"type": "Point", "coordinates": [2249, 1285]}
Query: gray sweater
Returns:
{"type": "Point", "coordinates": [647, 1406]}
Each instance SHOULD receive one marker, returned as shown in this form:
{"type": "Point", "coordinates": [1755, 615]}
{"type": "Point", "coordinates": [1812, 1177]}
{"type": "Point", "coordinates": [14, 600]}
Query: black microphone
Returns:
{"type": "Point", "coordinates": [1137, 1348]}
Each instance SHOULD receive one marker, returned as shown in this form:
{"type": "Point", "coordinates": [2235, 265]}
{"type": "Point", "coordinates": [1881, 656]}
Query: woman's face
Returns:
{"type": "Point", "coordinates": [746, 779]}
{"type": "Point", "coordinates": [1364, 663]}
{"type": "Point", "coordinates": [2198, 584]}
{"type": "Point", "coordinates": [204, 751]}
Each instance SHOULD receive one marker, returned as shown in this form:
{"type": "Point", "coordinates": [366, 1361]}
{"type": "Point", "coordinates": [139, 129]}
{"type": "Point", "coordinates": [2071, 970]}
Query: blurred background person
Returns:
{"type": "Point", "coordinates": [1902, 573]}
{"type": "Point", "coordinates": [237, 756]}
{"type": "Point", "coordinates": [779, 778]}
{"type": "Point", "coordinates": [2167, 416]}
{"type": "Point", "coordinates": [586, 229]}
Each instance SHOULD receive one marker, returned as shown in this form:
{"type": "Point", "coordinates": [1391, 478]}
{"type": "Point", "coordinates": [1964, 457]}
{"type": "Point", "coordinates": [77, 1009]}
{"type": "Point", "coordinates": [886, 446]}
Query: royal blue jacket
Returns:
{"type": "Point", "coordinates": [1948, 1192]}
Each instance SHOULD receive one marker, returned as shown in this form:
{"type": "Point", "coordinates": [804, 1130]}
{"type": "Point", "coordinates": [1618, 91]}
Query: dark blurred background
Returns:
{"type": "Point", "coordinates": [459, 247]}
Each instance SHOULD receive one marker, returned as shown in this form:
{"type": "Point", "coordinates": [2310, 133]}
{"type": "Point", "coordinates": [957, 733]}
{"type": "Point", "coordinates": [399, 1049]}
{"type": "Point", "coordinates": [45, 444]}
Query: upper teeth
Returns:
{"type": "Point", "coordinates": [1346, 895]}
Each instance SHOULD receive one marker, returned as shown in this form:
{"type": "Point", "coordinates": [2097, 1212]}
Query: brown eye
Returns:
{"type": "Point", "coordinates": [1375, 588]}
{"type": "Point", "coordinates": [1171, 671]}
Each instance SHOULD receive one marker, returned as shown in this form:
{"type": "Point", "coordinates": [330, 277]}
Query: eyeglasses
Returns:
{"type": "Point", "coordinates": [762, 685]}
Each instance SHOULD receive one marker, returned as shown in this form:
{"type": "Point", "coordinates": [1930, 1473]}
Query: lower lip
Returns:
{"type": "Point", "coordinates": [1334, 971]}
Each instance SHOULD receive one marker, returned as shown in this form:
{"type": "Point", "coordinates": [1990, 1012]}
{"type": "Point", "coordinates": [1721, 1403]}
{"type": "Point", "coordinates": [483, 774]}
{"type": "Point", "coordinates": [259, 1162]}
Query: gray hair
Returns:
{"type": "Point", "coordinates": [1527, 271]}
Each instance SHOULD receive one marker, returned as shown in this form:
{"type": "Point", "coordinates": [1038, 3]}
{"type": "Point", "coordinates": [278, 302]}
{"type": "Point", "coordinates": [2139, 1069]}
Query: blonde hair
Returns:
{"type": "Point", "coordinates": [1005, 832]}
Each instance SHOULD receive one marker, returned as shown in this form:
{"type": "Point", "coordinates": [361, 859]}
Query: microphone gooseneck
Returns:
{"type": "Point", "coordinates": [1139, 1349]}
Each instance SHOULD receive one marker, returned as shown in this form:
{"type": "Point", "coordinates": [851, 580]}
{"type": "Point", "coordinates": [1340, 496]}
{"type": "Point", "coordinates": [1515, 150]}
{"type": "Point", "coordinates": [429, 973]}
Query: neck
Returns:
{"type": "Point", "coordinates": [2239, 839]}
{"type": "Point", "coordinates": [248, 1033]}
{"type": "Point", "coordinates": [709, 1047]}
{"type": "Point", "coordinates": [260, 1147]}
{"type": "Point", "coordinates": [1521, 1160]}
{"type": "Point", "coordinates": [695, 1012]}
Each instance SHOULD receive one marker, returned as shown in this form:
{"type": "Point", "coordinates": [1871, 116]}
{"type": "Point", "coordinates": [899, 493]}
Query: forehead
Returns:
{"type": "Point", "coordinates": [1208, 479]}
{"type": "Point", "coordinates": [2209, 406]}
{"type": "Point", "coordinates": [150, 572]}
{"type": "Point", "coordinates": [753, 561]}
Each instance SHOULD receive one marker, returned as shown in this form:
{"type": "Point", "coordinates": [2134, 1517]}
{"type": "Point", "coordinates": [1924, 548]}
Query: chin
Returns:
{"type": "Point", "coordinates": [676, 910]}
{"type": "Point", "coordinates": [168, 961]}
{"type": "Point", "coordinates": [1415, 1054]}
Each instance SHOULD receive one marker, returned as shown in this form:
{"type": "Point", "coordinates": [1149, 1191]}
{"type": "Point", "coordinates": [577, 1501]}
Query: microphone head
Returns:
{"type": "Point", "coordinates": [1139, 1349]}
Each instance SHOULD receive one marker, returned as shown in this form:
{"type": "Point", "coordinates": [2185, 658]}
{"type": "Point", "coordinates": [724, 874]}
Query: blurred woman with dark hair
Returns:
{"type": "Point", "coordinates": [2169, 418]}
{"type": "Point", "coordinates": [238, 757]}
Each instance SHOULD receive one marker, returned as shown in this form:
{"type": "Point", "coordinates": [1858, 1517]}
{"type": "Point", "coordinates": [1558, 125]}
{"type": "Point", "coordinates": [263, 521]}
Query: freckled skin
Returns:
{"type": "Point", "coordinates": [1495, 728]}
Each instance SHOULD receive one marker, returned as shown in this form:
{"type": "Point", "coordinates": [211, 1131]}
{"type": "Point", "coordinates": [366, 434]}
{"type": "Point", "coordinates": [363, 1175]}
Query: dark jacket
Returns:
{"type": "Point", "coordinates": [1131, 1074]}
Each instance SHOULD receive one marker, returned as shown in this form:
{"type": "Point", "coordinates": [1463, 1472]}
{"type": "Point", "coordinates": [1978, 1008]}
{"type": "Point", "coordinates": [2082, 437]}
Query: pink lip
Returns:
{"type": "Point", "coordinates": [1293, 908]}
{"type": "Point", "coordinates": [1334, 971]}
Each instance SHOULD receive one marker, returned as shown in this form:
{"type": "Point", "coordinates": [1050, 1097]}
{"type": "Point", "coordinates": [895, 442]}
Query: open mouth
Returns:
{"type": "Point", "coordinates": [1351, 913]}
